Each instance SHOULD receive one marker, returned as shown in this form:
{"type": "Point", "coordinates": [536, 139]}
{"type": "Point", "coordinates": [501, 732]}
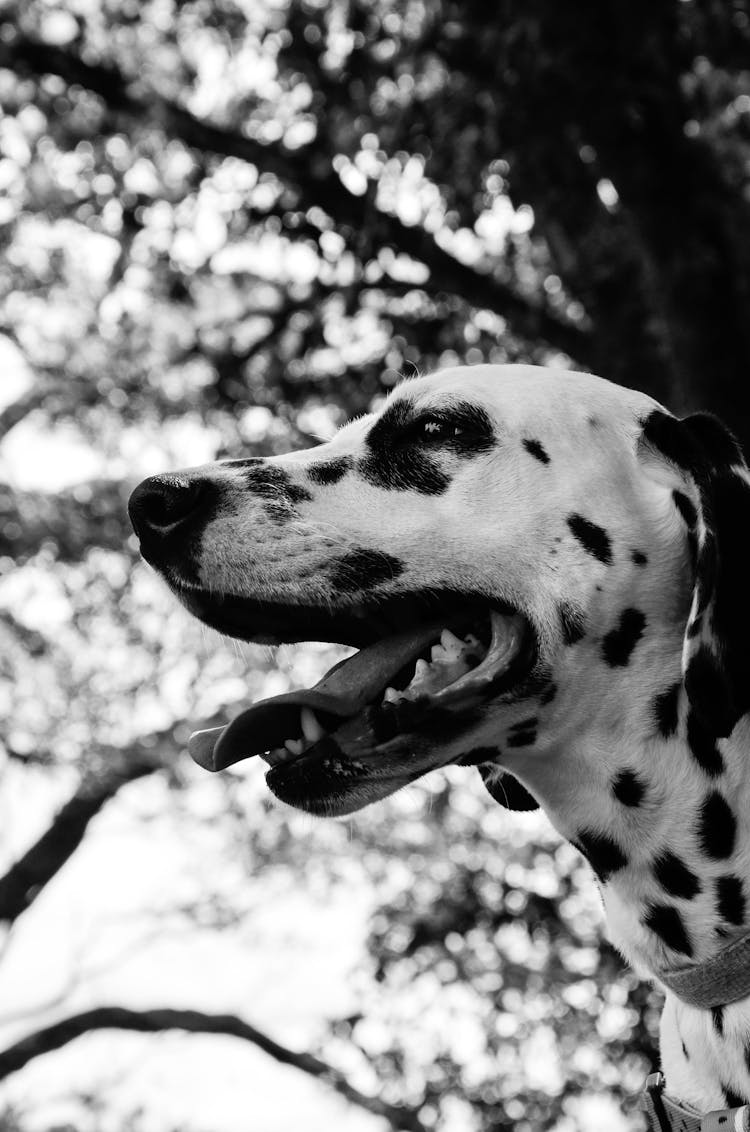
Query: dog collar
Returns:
{"type": "Point", "coordinates": [664, 1114]}
{"type": "Point", "coordinates": [719, 981]}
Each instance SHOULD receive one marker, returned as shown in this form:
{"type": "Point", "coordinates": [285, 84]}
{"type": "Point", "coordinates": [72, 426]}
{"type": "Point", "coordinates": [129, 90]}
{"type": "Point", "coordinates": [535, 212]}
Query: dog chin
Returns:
{"type": "Point", "coordinates": [326, 799]}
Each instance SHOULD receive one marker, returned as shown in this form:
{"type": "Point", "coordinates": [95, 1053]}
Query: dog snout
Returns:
{"type": "Point", "coordinates": [161, 504]}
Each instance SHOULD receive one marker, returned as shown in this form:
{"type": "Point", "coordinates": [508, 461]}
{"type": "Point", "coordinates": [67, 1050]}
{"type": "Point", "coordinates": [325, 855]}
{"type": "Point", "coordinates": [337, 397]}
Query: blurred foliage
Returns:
{"type": "Point", "coordinates": [228, 226]}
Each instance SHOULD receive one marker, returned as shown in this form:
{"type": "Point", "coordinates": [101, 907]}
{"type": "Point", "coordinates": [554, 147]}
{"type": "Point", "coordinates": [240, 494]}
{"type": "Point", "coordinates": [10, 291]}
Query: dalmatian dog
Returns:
{"type": "Point", "coordinates": [545, 575]}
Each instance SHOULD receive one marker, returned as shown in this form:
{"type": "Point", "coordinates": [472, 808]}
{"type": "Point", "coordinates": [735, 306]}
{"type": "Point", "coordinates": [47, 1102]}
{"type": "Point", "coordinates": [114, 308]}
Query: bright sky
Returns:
{"type": "Point", "coordinates": [285, 971]}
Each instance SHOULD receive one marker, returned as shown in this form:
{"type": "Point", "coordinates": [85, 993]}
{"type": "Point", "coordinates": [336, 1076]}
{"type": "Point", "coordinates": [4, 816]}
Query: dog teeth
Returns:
{"type": "Point", "coordinates": [452, 644]}
{"type": "Point", "coordinates": [311, 728]}
{"type": "Point", "coordinates": [450, 659]}
{"type": "Point", "coordinates": [294, 746]}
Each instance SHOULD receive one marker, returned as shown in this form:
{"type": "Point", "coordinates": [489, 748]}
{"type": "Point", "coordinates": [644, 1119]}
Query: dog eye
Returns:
{"type": "Point", "coordinates": [435, 431]}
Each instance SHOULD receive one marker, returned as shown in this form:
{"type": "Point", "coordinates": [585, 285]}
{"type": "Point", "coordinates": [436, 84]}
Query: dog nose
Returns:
{"type": "Point", "coordinates": [161, 502]}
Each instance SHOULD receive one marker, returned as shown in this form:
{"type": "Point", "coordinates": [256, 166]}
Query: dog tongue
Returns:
{"type": "Point", "coordinates": [344, 691]}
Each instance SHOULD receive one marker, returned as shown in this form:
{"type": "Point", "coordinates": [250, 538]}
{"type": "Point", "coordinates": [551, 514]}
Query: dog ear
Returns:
{"type": "Point", "coordinates": [506, 789]}
{"type": "Point", "coordinates": [716, 511]}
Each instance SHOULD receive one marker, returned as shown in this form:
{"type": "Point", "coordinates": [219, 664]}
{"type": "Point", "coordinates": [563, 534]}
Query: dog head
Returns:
{"type": "Point", "coordinates": [479, 539]}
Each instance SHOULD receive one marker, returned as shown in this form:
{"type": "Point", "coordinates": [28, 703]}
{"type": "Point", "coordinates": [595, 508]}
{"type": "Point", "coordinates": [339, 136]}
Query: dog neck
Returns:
{"type": "Point", "coordinates": [683, 897]}
{"type": "Point", "coordinates": [669, 843]}
{"type": "Point", "coordinates": [662, 812]}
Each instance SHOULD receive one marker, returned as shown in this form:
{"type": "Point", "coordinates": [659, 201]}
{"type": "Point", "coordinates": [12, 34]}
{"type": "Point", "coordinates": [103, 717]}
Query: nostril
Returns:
{"type": "Point", "coordinates": [162, 501]}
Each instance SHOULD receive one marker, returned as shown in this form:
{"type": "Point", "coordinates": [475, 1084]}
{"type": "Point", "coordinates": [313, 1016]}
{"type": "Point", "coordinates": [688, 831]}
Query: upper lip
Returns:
{"type": "Point", "coordinates": [359, 622]}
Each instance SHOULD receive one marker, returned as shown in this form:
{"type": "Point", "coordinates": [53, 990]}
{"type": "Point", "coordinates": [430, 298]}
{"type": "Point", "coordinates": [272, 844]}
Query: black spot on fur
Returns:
{"type": "Point", "coordinates": [274, 486]}
{"type": "Point", "coordinates": [639, 558]}
{"type": "Point", "coordinates": [330, 471]}
{"type": "Point", "coordinates": [536, 682]}
{"type": "Point", "coordinates": [669, 437]}
{"type": "Point", "coordinates": [536, 449]}
{"type": "Point", "coordinates": [685, 1052]}
{"type": "Point", "coordinates": [507, 790]}
{"type": "Point", "coordinates": [397, 465]}
{"type": "Point", "coordinates": [573, 623]}
{"type": "Point", "coordinates": [271, 482]}
{"type": "Point", "coordinates": [522, 738]}
{"type": "Point", "coordinates": [403, 445]}
{"type": "Point", "coordinates": [717, 827]}
{"type": "Point", "coordinates": [405, 471]}
{"type": "Point", "coordinates": [548, 694]}
{"type": "Point", "coordinates": [666, 922]}
{"type": "Point", "coordinates": [592, 538]}
{"type": "Point", "coordinates": [686, 509]}
{"type": "Point", "coordinates": [524, 724]}
{"type": "Point", "coordinates": [704, 447]}
{"type": "Point", "coordinates": [717, 1017]}
{"type": "Point", "coordinates": [619, 643]}
{"type": "Point", "coordinates": [523, 733]}
{"type": "Point", "coordinates": [603, 854]}
{"type": "Point", "coordinates": [666, 707]}
{"type": "Point", "coordinates": [706, 684]}
{"type": "Point", "coordinates": [700, 443]}
{"type": "Point", "coordinates": [730, 899]}
{"type": "Point", "coordinates": [628, 788]}
{"type": "Point", "coordinates": [703, 747]}
{"type": "Point", "coordinates": [726, 586]}
{"type": "Point", "coordinates": [363, 569]}
{"type": "Point", "coordinates": [734, 1100]}
{"type": "Point", "coordinates": [675, 877]}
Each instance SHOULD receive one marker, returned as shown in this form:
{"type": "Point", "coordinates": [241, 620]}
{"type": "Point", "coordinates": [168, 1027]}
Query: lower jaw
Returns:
{"type": "Point", "coordinates": [335, 784]}
{"type": "Point", "coordinates": [331, 781]}
{"type": "Point", "coordinates": [334, 799]}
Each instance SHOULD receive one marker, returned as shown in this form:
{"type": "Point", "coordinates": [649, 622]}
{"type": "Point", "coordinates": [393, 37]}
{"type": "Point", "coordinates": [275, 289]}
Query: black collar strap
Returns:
{"type": "Point", "coordinates": [718, 981]}
{"type": "Point", "coordinates": [667, 1115]}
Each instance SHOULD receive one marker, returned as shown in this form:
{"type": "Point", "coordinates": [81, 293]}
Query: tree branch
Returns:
{"type": "Point", "coordinates": [75, 520]}
{"type": "Point", "coordinates": [26, 878]}
{"type": "Point", "coordinates": [45, 386]}
{"type": "Point", "coordinates": [53, 1037]}
{"type": "Point", "coordinates": [317, 182]}
{"type": "Point", "coordinates": [21, 408]}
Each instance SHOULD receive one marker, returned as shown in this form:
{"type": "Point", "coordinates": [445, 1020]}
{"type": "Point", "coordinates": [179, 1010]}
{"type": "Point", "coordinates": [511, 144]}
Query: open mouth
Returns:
{"type": "Point", "coordinates": [384, 716]}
